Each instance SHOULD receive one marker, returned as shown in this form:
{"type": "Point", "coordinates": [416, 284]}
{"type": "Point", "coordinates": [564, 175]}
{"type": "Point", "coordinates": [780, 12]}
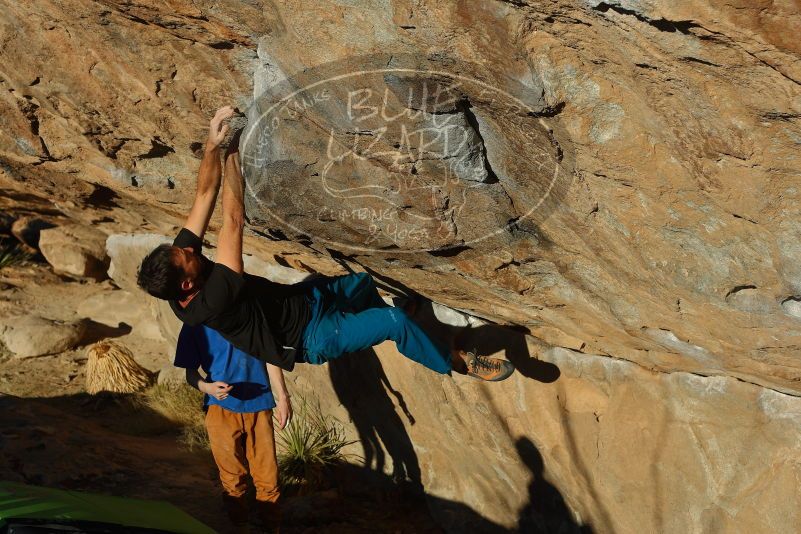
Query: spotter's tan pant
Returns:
{"type": "Point", "coordinates": [239, 441]}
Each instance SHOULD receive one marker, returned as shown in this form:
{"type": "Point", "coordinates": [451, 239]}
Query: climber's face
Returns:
{"type": "Point", "coordinates": [186, 260]}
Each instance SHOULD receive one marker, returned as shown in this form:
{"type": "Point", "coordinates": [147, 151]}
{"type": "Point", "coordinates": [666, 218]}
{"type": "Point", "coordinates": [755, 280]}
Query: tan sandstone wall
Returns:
{"type": "Point", "coordinates": [662, 288]}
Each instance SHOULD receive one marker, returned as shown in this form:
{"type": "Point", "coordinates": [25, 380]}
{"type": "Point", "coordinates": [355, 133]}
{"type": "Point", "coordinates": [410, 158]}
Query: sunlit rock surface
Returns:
{"type": "Point", "coordinates": [661, 277]}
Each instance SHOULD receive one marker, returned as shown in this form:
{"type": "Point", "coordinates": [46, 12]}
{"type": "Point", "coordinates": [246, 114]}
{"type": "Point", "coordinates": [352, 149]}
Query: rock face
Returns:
{"type": "Point", "coordinates": [120, 306]}
{"type": "Point", "coordinates": [126, 252]}
{"type": "Point", "coordinates": [617, 179]}
{"type": "Point", "coordinates": [29, 335]}
{"type": "Point", "coordinates": [413, 160]}
{"type": "Point", "coordinates": [639, 257]}
{"type": "Point", "coordinates": [76, 250]}
{"type": "Point", "coordinates": [624, 449]}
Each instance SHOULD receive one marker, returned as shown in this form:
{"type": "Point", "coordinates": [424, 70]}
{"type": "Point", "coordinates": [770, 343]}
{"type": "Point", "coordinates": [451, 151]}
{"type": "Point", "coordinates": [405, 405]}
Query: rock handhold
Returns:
{"type": "Point", "coordinates": [792, 306]}
{"type": "Point", "coordinates": [30, 335]}
{"type": "Point", "coordinates": [75, 250]}
{"type": "Point", "coordinates": [752, 300]}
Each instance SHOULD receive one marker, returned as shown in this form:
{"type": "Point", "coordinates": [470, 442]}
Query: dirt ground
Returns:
{"type": "Point", "coordinates": [105, 445]}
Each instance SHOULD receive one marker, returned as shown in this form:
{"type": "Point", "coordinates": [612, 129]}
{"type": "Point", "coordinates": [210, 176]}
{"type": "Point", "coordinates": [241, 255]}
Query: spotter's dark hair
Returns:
{"type": "Point", "coordinates": [158, 274]}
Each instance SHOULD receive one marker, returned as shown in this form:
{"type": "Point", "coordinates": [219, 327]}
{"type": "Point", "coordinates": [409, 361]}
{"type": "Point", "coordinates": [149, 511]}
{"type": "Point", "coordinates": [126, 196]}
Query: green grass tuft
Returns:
{"type": "Point", "coordinates": [309, 444]}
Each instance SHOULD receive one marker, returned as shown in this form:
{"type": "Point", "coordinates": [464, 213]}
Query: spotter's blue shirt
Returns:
{"type": "Point", "coordinates": [201, 346]}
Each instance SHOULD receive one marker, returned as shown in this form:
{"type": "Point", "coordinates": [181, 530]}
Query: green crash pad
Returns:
{"type": "Point", "coordinates": [21, 501]}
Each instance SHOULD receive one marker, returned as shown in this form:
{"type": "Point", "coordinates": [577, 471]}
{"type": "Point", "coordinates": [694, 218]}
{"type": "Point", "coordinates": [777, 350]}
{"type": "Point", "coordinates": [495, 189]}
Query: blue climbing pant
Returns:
{"type": "Point", "coordinates": [348, 315]}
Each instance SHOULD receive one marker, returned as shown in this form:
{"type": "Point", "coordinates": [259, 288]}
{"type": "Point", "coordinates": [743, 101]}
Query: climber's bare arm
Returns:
{"type": "Point", "coordinates": [209, 176]}
{"type": "Point", "coordinates": [229, 245]}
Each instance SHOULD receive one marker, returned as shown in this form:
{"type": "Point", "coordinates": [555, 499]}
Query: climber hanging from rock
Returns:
{"type": "Point", "coordinates": [310, 322]}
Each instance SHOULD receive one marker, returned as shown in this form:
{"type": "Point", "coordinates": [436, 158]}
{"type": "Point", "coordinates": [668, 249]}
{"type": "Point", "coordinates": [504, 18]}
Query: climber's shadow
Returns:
{"type": "Point", "coordinates": [363, 389]}
{"type": "Point", "coordinates": [487, 339]}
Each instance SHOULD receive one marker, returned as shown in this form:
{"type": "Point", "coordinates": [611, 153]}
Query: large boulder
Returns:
{"type": "Point", "coordinates": [515, 185]}
{"type": "Point", "coordinates": [126, 252]}
{"type": "Point", "coordinates": [75, 249]}
{"type": "Point", "coordinates": [609, 444]}
{"type": "Point", "coordinates": [29, 335]}
{"type": "Point", "coordinates": [670, 259]}
{"type": "Point", "coordinates": [120, 306]}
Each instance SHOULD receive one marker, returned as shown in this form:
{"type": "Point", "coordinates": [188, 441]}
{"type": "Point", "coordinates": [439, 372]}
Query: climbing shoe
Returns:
{"type": "Point", "coordinates": [487, 367]}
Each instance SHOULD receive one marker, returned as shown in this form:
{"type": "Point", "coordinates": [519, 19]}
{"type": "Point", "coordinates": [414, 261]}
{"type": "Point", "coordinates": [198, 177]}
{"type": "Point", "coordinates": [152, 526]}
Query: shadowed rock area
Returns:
{"type": "Point", "coordinates": [607, 193]}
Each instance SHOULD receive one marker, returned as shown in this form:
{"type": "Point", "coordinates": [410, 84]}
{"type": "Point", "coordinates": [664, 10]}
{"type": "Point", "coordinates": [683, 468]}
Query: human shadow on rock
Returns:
{"type": "Point", "coordinates": [485, 339]}
{"type": "Point", "coordinates": [546, 512]}
{"type": "Point", "coordinates": [368, 501]}
{"type": "Point", "coordinates": [363, 389]}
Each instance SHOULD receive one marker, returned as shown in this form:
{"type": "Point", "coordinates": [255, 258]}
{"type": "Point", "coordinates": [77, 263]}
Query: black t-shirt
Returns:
{"type": "Point", "coordinates": [263, 318]}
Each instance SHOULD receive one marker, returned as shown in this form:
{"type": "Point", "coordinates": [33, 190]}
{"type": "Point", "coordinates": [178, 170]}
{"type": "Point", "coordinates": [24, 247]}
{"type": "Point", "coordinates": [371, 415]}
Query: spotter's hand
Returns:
{"type": "Point", "coordinates": [283, 411]}
{"type": "Point", "coordinates": [218, 390]}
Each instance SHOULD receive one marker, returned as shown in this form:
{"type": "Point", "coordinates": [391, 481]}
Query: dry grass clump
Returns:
{"type": "Point", "coordinates": [181, 404]}
{"type": "Point", "coordinates": [111, 367]}
{"type": "Point", "coordinates": [309, 444]}
{"type": "Point", "coordinates": [195, 437]}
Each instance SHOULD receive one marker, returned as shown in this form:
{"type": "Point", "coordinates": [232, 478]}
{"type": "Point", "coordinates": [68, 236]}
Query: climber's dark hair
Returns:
{"type": "Point", "coordinates": [158, 274]}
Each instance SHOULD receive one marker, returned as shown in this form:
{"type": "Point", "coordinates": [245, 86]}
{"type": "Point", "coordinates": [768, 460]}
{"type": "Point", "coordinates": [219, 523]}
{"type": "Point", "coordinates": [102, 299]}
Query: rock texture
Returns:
{"type": "Point", "coordinates": [126, 252]}
{"type": "Point", "coordinates": [28, 230]}
{"type": "Point", "coordinates": [29, 335]}
{"type": "Point", "coordinates": [118, 307]}
{"type": "Point", "coordinates": [76, 250]}
{"type": "Point", "coordinates": [663, 157]}
{"type": "Point", "coordinates": [661, 276]}
{"type": "Point", "coordinates": [625, 449]}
